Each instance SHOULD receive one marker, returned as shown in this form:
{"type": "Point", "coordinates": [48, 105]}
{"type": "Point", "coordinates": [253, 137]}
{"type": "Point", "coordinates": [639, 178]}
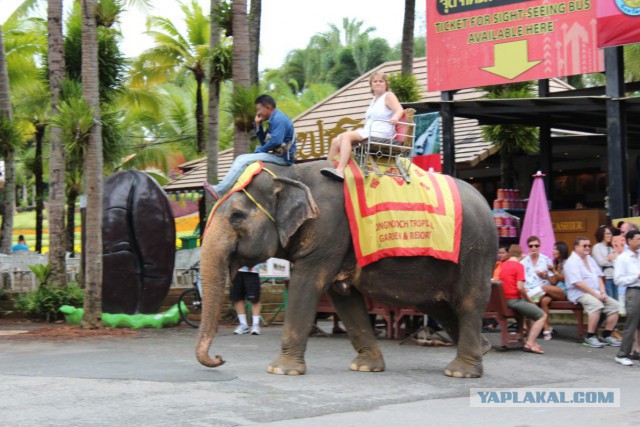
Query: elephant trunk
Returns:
{"type": "Point", "coordinates": [214, 273]}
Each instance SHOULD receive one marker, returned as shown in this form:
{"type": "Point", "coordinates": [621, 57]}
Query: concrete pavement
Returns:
{"type": "Point", "coordinates": [153, 378]}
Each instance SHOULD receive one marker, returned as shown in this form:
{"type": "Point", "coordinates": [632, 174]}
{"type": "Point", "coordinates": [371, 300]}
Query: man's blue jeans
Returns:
{"type": "Point", "coordinates": [240, 164]}
{"type": "Point", "coordinates": [611, 289]}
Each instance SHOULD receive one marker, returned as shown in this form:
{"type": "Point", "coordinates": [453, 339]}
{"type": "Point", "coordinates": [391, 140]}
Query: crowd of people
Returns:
{"type": "Point", "coordinates": [604, 279]}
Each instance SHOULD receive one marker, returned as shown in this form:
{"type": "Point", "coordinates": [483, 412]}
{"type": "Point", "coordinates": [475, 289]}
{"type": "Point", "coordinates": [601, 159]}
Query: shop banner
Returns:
{"type": "Point", "coordinates": [618, 22]}
{"type": "Point", "coordinates": [473, 43]}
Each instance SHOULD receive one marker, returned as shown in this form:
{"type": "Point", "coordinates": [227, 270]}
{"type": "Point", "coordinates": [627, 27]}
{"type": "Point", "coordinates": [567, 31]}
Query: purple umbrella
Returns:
{"type": "Point", "coordinates": [537, 220]}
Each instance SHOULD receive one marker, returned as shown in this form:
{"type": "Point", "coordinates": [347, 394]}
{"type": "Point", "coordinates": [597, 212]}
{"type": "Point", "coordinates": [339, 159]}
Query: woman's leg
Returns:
{"type": "Point", "coordinates": [555, 292]}
{"type": "Point", "coordinates": [544, 305]}
{"type": "Point", "coordinates": [346, 141]}
{"type": "Point", "coordinates": [334, 149]}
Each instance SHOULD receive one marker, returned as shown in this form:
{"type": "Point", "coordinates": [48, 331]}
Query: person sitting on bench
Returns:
{"type": "Point", "coordinates": [383, 114]}
{"type": "Point", "coordinates": [277, 145]}
{"type": "Point", "coordinates": [513, 278]}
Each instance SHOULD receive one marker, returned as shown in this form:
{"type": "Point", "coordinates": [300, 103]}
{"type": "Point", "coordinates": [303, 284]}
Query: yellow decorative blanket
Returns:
{"type": "Point", "coordinates": [245, 179]}
{"type": "Point", "coordinates": [390, 217]}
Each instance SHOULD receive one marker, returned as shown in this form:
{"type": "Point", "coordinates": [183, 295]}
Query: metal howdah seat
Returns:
{"type": "Point", "coordinates": [395, 151]}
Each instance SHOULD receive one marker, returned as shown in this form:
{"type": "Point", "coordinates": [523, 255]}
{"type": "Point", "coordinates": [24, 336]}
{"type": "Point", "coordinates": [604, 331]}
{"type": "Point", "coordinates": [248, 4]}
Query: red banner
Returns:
{"type": "Point", "coordinates": [618, 22]}
{"type": "Point", "coordinates": [481, 43]}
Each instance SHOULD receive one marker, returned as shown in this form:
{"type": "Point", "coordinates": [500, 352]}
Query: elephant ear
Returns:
{"type": "Point", "coordinates": [295, 206]}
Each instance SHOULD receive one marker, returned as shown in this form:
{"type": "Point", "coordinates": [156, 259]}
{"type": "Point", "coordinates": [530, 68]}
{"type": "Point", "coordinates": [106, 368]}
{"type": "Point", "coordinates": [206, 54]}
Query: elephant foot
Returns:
{"type": "Point", "coordinates": [285, 366]}
{"type": "Point", "coordinates": [486, 345]}
{"type": "Point", "coordinates": [364, 363]}
{"type": "Point", "coordinates": [460, 368]}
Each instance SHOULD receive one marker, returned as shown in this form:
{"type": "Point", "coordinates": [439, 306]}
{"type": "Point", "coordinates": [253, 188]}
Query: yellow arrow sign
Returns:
{"type": "Point", "coordinates": [511, 59]}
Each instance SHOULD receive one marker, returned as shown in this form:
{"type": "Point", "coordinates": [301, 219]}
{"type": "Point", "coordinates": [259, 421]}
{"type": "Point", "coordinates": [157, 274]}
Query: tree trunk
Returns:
{"type": "Point", "coordinates": [407, 37]}
{"type": "Point", "coordinates": [93, 166]}
{"type": "Point", "coordinates": [214, 110]}
{"type": "Point", "coordinates": [38, 172]}
{"type": "Point", "coordinates": [200, 115]}
{"type": "Point", "coordinates": [72, 198]}
{"type": "Point", "coordinates": [240, 66]}
{"type": "Point", "coordinates": [254, 41]}
{"type": "Point", "coordinates": [57, 178]}
{"type": "Point", "coordinates": [9, 167]}
{"type": "Point", "coordinates": [507, 169]}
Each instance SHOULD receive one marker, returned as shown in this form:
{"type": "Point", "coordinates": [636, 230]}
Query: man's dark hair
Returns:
{"type": "Point", "coordinates": [533, 239]}
{"type": "Point", "coordinates": [631, 234]}
{"type": "Point", "coordinates": [266, 100]}
{"type": "Point", "coordinates": [579, 239]}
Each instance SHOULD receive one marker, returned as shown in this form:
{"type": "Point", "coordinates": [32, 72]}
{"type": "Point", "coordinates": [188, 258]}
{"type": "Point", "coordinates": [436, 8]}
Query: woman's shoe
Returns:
{"type": "Point", "coordinates": [547, 335]}
{"type": "Point", "coordinates": [332, 173]}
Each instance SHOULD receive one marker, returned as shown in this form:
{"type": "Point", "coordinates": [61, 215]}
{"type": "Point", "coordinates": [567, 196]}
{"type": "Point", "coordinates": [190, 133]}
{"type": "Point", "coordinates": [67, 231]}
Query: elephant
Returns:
{"type": "Point", "coordinates": [298, 214]}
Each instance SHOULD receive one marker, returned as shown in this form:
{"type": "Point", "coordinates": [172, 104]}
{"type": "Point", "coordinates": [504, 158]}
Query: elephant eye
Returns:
{"type": "Point", "coordinates": [237, 217]}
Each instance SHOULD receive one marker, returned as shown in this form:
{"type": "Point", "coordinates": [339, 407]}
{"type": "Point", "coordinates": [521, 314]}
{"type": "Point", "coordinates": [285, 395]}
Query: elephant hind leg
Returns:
{"type": "Point", "coordinates": [464, 326]}
{"type": "Point", "coordinates": [471, 343]}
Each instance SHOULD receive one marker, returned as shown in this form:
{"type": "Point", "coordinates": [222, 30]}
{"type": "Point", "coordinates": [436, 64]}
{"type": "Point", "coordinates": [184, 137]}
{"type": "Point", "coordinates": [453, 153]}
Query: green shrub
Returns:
{"type": "Point", "coordinates": [45, 302]}
{"type": "Point", "coordinates": [42, 272]}
{"type": "Point", "coordinates": [406, 88]}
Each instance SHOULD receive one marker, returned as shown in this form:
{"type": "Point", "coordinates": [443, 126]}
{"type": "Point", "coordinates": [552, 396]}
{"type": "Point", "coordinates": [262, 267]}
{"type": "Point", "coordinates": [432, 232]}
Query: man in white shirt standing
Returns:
{"type": "Point", "coordinates": [536, 269]}
{"type": "Point", "coordinates": [585, 285]}
{"type": "Point", "coordinates": [627, 273]}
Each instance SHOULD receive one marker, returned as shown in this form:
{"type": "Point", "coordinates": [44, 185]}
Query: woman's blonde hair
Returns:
{"type": "Point", "coordinates": [380, 75]}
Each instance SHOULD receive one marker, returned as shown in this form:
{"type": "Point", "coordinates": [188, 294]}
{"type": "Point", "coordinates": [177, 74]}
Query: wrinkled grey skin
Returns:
{"type": "Point", "coordinates": [311, 230]}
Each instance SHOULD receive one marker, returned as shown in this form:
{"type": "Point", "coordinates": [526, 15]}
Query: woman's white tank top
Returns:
{"type": "Point", "coordinates": [378, 110]}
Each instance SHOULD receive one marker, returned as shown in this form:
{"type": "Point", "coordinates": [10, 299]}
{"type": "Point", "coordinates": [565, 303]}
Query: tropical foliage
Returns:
{"type": "Point", "coordinates": [511, 140]}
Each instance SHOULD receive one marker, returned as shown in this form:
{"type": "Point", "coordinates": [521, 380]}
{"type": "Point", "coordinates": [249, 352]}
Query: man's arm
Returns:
{"type": "Point", "coordinates": [277, 134]}
{"type": "Point", "coordinates": [622, 275]}
{"type": "Point", "coordinates": [523, 291]}
{"type": "Point", "coordinates": [589, 290]}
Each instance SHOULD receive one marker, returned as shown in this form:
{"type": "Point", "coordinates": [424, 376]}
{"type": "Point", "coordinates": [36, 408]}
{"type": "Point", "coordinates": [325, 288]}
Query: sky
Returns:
{"type": "Point", "coordinates": [286, 24]}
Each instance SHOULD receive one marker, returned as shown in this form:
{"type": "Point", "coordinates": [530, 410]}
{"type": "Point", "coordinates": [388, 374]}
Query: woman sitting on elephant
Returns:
{"type": "Point", "coordinates": [383, 114]}
{"type": "Point", "coordinates": [513, 277]}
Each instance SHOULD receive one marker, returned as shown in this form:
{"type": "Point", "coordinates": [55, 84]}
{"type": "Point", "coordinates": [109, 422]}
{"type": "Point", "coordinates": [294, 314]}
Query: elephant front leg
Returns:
{"type": "Point", "coordinates": [353, 313]}
{"type": "Point", "coordinates": [299, 318]}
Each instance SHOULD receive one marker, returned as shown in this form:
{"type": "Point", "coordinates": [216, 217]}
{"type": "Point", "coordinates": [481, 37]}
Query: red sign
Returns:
{"type": "Point", "coordinates": [473, 43]}
{"type": "Point", "coordinates": [618, 22]}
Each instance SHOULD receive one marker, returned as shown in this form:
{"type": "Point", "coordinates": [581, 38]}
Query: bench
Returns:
{"type": "Point", "coordinates": [497, 309]}
{"type": "Point", "coordinates": [392, 315]}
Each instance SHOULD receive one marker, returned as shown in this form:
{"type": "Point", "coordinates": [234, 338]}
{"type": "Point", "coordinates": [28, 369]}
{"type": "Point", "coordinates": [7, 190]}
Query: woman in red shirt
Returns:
{"type": "Point", "coordinates": [513, 278]}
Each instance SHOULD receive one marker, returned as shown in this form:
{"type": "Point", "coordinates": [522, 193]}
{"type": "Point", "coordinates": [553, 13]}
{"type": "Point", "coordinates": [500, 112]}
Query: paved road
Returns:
{"type": "Point", "coordinates": [153, 379]}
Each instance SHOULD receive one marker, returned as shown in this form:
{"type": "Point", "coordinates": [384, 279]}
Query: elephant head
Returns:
{"type": "Point", "coordinates": [247, 228]}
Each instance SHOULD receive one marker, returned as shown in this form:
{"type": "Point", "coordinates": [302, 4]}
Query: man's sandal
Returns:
{"type": "Point", "coordinates": [209, 188]}
{"type": "Point", "coordinates": [536, 349]}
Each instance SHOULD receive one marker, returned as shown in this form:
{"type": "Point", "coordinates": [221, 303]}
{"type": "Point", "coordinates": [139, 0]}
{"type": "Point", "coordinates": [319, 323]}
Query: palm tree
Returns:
{"type": "Point", "coordinates": [407, 36]}
{"type": "Point", "coordinates": [337, 56]}
{"type": "Point", "coordinates": [32, 109]}
{"type": "Point", "coordinates": [241, 70]}
{"type": "Point", "coordinates": [254, 40]}
{"type": "Point", "coordinates": [57, 178]}
{"type": "Point", "coordinates": [175, 54]}
{"type": "Point", "coordinates": [511, 140]}
{"type": "Point", "coordinates": [92, 171]}
{"type": "Point", "coordinates": [219, 70]}
{"type": "Point", "coordinates": [8, 139]}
